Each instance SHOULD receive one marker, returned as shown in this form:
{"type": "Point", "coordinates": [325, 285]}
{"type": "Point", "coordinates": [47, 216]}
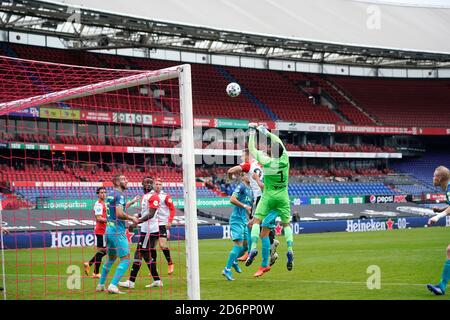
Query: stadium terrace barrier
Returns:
{"type": "Point", "coordinates": [297, 201]}
{"type": "Point", "coordinates": [77, 238]}
{"type": "Point", "coordinates": [301, 201]}
{"type": "Point", "coordinates": [87, 204]}
{"type": "Point", "coordinates": [162, 120]}
{"type": "Point", "coordinates": [400, 198]}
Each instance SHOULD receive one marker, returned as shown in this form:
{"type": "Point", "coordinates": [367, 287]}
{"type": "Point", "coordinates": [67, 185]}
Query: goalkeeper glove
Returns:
{"type": "Point", "coordinates": [263, 130]}
{"type": "Point", "coordinates": [252, 128]}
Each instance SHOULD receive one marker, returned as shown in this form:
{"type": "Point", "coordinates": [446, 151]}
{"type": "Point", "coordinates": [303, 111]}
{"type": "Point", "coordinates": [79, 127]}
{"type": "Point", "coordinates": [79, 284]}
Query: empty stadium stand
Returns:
{"type": "Point", "coordinates": [271, 95]}
{"type": "Point", "coordinates": [423, 168]}
{"type": "Point", "coordinates": [401, 102]}
{"type": "Point", "coordinates": [335, 189]}
{"type": "Point", "coordinates": [316, 84]}
{"type": "Point", "coordinates": [284, 99]}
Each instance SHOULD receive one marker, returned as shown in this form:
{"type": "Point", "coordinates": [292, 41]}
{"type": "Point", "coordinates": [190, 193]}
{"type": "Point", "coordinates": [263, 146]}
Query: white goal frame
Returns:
{"type": "Point", "coordinates": [2, 248]}
{"type": "Point", "coordinates": [183, 73]}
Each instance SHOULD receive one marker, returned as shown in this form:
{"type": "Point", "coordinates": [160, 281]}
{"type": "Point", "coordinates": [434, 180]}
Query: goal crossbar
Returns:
{"type": "Point", "coordinates": [135, 80]}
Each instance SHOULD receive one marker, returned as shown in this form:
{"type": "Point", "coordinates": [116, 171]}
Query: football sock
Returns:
{"type": "Point", "coordinates": [271, 236]}
{"type": "Point", "coordinates": [97, 261]}
{"type": "Point", "coordinates": [445, 275]}
{"type": "Point", "coordinates": [255, 235]}
{"type": "Point", "coordinates": [289, 237]}
{"type": "Point", "coordinates": [243, 250]}
{"type": "Point", "coordinates": [234, 254]}
{"type": "Point", "coordinates": [106, 267]}
{"type": "Point", "coordinates": [120, 271]}
{"type": "Point", "coordinates": [265, 251]}
{"type": "Point", "coordinates": [166, 252]}
{"type": "Point", "coordinates": [151, 263]}
{"type": "Point", "coordinates": [135, 269]}
{"type": "Point", "coordinates": [92, 261]}
{"type": "Point", "coordinates": [249, 239]}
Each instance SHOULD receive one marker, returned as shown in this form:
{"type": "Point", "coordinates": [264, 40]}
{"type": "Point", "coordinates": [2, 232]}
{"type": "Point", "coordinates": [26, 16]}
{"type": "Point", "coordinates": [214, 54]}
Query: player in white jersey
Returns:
{"type": "Point", "coordinates": [251, 167]}
{"type": "Point", "coordinates": [255, 175]}
{"type": "Point", "coordinates": [149, 235]}
{"type": "Point", "coordinates": [166, 213]}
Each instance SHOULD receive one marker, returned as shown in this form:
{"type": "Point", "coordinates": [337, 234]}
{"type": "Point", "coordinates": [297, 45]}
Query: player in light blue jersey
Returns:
{"type": "Point", "coordinates": [116, 239]}
{"type": "Point", "coordinates": [242, 199]}
{"type": "Point", "coordinates": [441, 179]}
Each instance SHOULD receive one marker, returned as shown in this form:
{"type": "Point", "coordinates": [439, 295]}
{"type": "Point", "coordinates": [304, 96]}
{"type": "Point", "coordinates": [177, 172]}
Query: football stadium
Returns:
{"type": "Point", "coordinates": [224, 150]}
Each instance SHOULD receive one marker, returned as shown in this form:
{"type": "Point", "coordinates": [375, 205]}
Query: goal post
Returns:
{"type": "Point", "coordinates": [135, 79]}
{"type": "Point", "coordinates": [3, 281]}
{"type": "Point", "coordinates": [190, 196]}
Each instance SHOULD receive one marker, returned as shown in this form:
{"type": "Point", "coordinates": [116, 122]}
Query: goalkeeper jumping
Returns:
{"type": "Point", "coordinates": [275, 198]}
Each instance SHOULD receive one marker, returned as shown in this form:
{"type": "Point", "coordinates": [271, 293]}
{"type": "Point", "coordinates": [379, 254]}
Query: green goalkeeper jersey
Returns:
{"type": "Point", "coordinates": [276, 170]}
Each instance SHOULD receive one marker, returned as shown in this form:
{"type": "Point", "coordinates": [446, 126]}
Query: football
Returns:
{"type": "Point", "coordinates": [233, 89]}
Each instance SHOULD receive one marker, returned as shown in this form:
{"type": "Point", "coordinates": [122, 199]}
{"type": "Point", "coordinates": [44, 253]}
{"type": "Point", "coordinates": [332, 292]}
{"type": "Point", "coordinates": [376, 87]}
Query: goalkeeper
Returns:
{"type": "Point", "coordinates": [275, 198]}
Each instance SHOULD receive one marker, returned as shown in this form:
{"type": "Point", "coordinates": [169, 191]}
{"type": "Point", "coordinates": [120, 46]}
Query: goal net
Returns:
{"type": "Point", "coordinates": [66, 131]}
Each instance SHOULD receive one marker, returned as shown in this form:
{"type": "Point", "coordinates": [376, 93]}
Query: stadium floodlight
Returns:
{"type": "Point", "coordinates": [94, 97]}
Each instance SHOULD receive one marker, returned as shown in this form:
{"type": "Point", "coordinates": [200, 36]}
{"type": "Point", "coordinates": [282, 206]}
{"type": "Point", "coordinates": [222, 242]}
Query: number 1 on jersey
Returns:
{"type": "Point", "coordinates": [281, 176]}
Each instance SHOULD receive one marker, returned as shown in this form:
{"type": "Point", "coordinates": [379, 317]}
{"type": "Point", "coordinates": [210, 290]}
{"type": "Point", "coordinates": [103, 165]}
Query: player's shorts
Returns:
{"type": "Point", "coordinates": [101, 240]}
{"type": "Point", "coordinates": [147, 240]}
{"type": "Point", "coordinates": [162, 231]}
{"type": "Point", "coordinates": [117, 243]}
{"type": "Point", "coordinates": [281, 205]}
{"type": "Point", "coordinates": [270, 220]}
{"type": "Point", "coordinates": [239, 230]}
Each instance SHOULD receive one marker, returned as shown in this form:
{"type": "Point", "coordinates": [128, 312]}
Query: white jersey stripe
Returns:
{"type": "Point", "coordinates": [151, 225]}
{"type": "Point", "coordinates": [255, 168]}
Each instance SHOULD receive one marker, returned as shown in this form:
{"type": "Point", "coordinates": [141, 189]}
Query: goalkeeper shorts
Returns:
{"type": "Point", "coordinates": [281, 205]}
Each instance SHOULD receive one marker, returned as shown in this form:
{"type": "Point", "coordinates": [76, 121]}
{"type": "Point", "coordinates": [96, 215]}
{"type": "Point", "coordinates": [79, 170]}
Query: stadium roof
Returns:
{"type": "Point", "coordinates": [353, 31]}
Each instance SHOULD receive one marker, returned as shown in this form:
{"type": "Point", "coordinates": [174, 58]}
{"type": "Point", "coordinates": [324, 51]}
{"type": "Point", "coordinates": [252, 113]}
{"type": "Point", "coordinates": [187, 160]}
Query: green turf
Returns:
{"type": "Point", "coordinates": [326, 266]}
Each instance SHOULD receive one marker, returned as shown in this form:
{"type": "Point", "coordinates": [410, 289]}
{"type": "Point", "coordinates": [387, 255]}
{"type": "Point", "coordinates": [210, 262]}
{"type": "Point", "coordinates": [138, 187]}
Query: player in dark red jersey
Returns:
{"type": "Point", "coordinates": [99, 231]}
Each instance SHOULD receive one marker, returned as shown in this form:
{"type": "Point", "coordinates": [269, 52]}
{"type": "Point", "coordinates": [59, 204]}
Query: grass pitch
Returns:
{"type": "Point", "coordinates": [326, 266]}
